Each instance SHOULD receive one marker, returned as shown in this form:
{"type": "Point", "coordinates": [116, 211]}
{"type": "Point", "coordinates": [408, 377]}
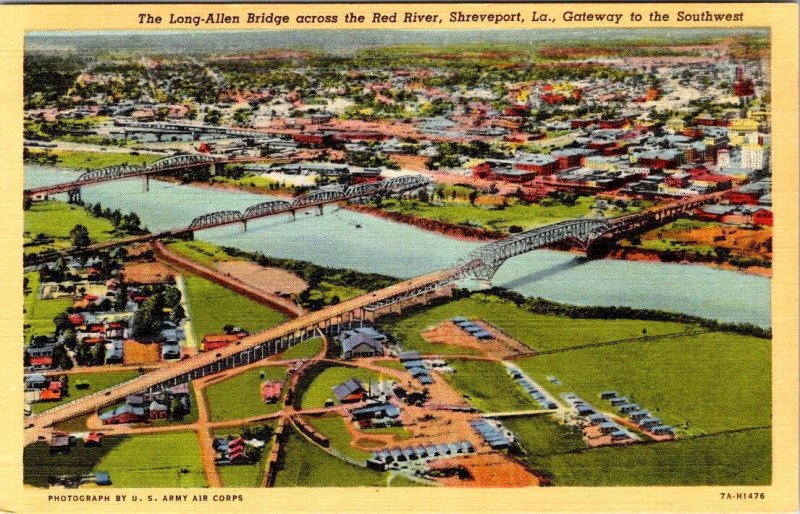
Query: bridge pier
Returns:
{"type": "Point", "coordinates": [145, 183]}
{"type": "Point", "coordinates": [74, 195]}
{"type": "Point", "coordinates": [244, 225]}
{"type": "Point", "coordinates": [319, 210]}
{"type": "Point", "coordinates": [485, 283]}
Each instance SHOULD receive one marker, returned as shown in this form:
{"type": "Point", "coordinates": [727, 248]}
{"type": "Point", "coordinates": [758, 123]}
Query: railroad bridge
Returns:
{"type": "Point", "coordinates": [317, 198]}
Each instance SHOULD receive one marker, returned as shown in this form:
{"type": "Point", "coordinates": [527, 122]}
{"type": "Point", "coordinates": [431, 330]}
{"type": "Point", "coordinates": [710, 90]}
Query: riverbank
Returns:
{"type": "Point", "coordinates": [476, 234]}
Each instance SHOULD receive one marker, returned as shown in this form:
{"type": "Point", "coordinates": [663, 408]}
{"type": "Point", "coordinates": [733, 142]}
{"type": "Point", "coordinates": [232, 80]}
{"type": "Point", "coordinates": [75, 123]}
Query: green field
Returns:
{"type": "Point", "coordinates": [538, 331]}
{"type": "Point", "coordinates": [327, 290]}
{"type": "Point", "coordinates": [305, 350]}
{"type": "Point", "coordinates": [240, 396]}
{"type": "Point", "coordinates": [97, 381]}
{"type": "Point", "coordinates": [335, 429]}
{"type": "Point", "coordinates": [742, 458]}
{"type": "Point", "coordinates": [715, 381]}
{"type": "Point", "coordinates": [56, 219]}
{"type": "Point", "coordinates": [201, 252]}
{"type": "Point", "coordinates": [38, 464]}
{"type": "Point", "coordinates": [94, 160]}
{"type": "Point", "coordinates": [155, 460]}
{"type": "Point", "coordinates": [307, 465]}
{"type": "Point", "coordinates": [211, 307]}
{"type": "Point", "coordinates": [38, 314]}
{"type": "Point", "coordinates": [321, 388]}
{"type": "Point", "coordinates": [525, 216]}
{"type": "Point", "coordinates": [488, 386]}
{"type": "Point", "coordinates": [543, 435]}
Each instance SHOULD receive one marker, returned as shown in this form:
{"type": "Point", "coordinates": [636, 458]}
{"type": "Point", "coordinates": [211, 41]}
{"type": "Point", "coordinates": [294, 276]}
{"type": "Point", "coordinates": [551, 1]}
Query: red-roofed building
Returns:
{"type": "Point", "coordinates": [41, 362]}
{"type": "Point", "coordinates": [214, 341]}
{"type": "Point", "coordinates": [271, 391]}
{"type": "Point", "coordinates": [762, 217]}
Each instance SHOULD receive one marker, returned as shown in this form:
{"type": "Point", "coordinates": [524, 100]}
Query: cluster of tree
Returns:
{"type": "Point", "coordinates": [370, 160]}
{"type": "Point", "coordinates": [42, 157]}
{"type": "Point", "coordinates": [149, 318]}
{"type": "Point", "coordinates": [48, 76]}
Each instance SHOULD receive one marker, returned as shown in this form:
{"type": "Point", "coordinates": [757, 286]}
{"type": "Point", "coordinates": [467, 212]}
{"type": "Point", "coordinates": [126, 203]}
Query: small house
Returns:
{"type": "Point", "coordinates": [608, 395]}
{"type": "Point", "coordinates": [124, 414]}
{"type": "Point", "coordinates": [157, 410]}
{"type": "Point", "coordinates": [36, 381]}
{"type": "Point", "coordinates": [350, 391]}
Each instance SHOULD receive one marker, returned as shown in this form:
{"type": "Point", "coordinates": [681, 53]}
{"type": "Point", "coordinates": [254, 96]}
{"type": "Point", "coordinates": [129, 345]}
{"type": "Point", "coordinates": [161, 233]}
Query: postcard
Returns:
{"type": "Point", "coordinates": [400, 257]}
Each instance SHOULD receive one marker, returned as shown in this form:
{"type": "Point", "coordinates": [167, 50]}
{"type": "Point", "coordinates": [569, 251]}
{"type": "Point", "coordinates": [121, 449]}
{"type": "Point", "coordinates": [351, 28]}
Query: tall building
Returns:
{"type": "Point", "coordinates": [723, 158]}
{"type": "Point", "coordinates": [752, 156]}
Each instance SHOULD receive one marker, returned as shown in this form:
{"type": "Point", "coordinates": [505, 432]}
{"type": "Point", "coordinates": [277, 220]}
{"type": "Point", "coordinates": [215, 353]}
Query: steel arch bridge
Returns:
{"type": "Point", "coordinates": [118, 172]}
{"type": "Point", "coordinates": [266, 208]}
{"type": "Point", "coordinates": [484, 262]}
{"type": "Point", "coordinates": [319, 196]}
{"type": "Point", "coordinates": [214, 219]}
{"type": "Point", "coordinates": [316, 198]}
{"type": "Point", "coordinates": [405, 183]}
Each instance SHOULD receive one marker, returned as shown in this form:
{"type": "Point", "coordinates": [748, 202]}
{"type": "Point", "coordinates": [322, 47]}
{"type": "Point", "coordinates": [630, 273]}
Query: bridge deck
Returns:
{"type": "Point", "coordinates": [153, 378]}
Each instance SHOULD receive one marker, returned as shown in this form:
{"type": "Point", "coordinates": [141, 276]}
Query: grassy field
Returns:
{"type": "Point", "coordinates": [321, 388]}
{"type": "Point", "coordinates": [97, 381]}
{"type": "Point", "coordinates": [56, 219]}
{"type": "Point", "coordinates": [305, 350]}
{"type": "Point", "coordinates": [538, 331]}
{"type": "Point", "coordinates": [742, 458]}
{"type": "Point", "coordinates": [543, 435]}
{"type": "Point", "coordinates": [335, 429]}
{"type": "Point", "coordinates": [155, 460]}
{"type": "Point", "coordinates": [525, 216]}
{"type": "Point", "coordinates": [327, 290]}
{"type": "Point", "coordinates": [38, 464]}
{"type": "Point", "coordinates": [199, 251]}
{"type": "Point", "coordinates": [38, 314]}
{"type": "Point", "coordinates": [212, 307]}
{"type": "Point", "coordinates": [715, 381]}
{"type": "Point", "coordinates": [488, 386]}
{"type": "Point", "coordinates": [94, 160]}
{"type": "Point", "coordinates": [240, 396]}
{"type": "Point", "coordinates": [306, 465]}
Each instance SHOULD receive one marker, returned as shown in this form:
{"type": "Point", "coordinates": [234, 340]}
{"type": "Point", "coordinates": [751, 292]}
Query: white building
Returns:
{"type": "Point", "coordinates": [752, 156]}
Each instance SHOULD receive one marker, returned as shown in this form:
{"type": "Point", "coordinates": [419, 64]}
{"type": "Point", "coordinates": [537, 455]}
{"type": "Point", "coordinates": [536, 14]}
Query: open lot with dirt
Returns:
{"type": "Point", "coordinates": [270, 280]}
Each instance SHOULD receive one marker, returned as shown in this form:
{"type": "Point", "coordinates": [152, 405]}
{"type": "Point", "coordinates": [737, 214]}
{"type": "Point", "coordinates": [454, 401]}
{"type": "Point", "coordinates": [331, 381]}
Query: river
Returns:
{"type": "Point", "coordinates": [345, 239]}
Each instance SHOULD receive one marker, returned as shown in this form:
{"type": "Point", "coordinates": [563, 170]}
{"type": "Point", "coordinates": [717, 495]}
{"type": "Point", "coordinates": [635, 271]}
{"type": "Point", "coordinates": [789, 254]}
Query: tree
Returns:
{"type": "Point", "coordinates": [171, 296]}
{"type": "Point", "coordinates": [62, 323]}
{"type": "Point", "coordinates": [61, 358]}
{"type": "Point", "coordinates": [473, 195]}
{"type": "Point", "coordinates": [147, 320]}
{"type": "Point", "coordinates": [83, 355]}
{"type": "Point", "coordinates": [176, 410]}
{"type": "Point", "coordinates": [70, 339]}
{"type": "Point", "coordinates": [121, 300]}
{"type": "Point", "coordinates": [79, 236]}
{"type": "Point", "coordinates": [27, 202]}
{"type": "Point", "coordinates": [178, 313]}
{"type": "Point", "coordinates": [213, 116]}
{"type": "Point", "coordinates": [99, 354]}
